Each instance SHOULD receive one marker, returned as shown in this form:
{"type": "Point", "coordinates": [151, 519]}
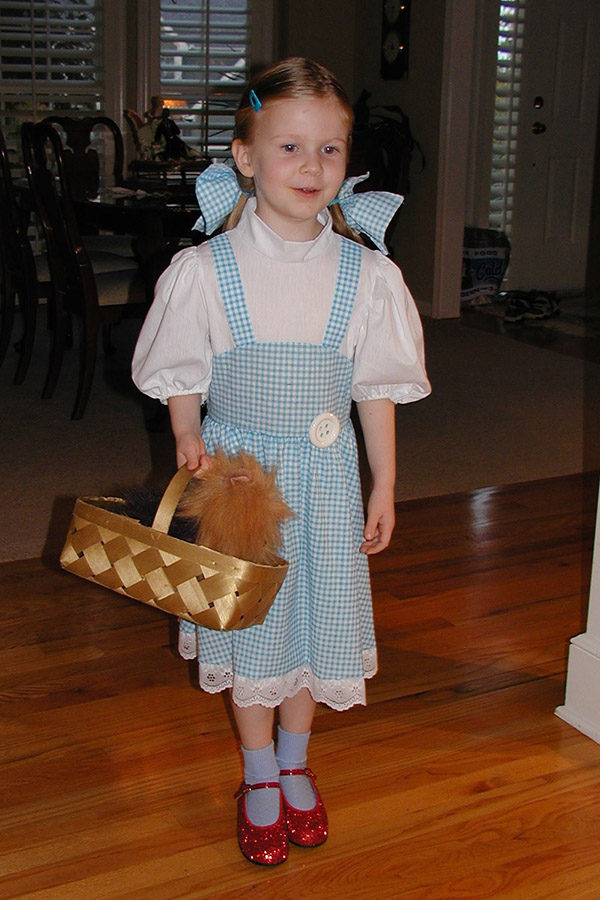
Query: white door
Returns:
{"type": "Point", "coordinates": [555, 145]}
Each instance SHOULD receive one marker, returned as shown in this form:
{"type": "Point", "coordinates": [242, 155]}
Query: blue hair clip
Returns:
{"type": "Point", "coordinates": [254, 101]}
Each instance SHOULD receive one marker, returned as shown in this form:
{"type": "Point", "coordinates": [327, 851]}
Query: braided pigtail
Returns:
{"type": "Point", "coordinates": [340, 226]}
{"type": "Point", "coordinates": [236, 214]}
{"type": "Point", "coordinates": [247, 186]}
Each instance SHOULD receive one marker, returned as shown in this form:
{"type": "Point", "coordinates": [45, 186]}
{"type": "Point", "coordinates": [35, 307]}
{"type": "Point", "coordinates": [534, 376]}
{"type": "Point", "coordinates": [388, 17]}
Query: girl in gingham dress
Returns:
{"type": "Point", "coordinates": [278, 324]}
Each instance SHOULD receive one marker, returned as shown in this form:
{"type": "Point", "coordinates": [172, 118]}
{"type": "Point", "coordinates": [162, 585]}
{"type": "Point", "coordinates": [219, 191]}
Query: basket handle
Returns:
{"type": "Point", "coordinates": [171, 497]}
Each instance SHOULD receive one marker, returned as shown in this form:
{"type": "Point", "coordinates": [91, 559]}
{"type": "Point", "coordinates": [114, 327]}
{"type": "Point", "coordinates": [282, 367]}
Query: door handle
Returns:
{"type": "Point", "coordinates": [538, 128]}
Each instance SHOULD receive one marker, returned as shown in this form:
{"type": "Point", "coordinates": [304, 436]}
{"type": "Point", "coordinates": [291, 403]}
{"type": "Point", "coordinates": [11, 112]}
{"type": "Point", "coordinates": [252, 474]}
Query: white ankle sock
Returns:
{"type": "Point", "coordinates": [262, 806]}
{"type": "Point", "coordinates": [291, 754]}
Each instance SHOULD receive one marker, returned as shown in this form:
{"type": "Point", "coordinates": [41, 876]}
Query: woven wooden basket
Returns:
{"type": "Point", "coordinates": [178, 577]}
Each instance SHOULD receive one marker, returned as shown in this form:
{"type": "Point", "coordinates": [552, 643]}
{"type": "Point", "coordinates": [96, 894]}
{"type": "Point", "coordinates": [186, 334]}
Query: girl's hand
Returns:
{"type": "Point", "coordinates": [191, 452]}
{"type": "Point", "coordinates": [190, 449]}
{"type": "Point", "coordinates": [381, 517]}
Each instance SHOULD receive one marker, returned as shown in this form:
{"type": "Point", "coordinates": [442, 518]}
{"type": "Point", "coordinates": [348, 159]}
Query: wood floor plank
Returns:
{"type": "Point", "coordinates": [456, 781]}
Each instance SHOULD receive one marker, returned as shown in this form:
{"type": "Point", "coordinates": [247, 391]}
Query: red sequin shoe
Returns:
{"type": "Point", "coordinates": [266, 845]}
{"type": "Point", "coordinates": [305, 827]}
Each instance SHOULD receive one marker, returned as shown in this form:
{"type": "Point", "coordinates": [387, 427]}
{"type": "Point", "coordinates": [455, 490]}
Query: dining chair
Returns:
{"type": "Point", "coordinates": [93, 156]}
{"type": "Point", "coordinates": [82, 138]}
{"type": "Point", "coordinates": [22, 275]}
{"type": "Point", "coordinates": [134, 123]}
{"type": "Point", "coordinates": [97, 289]}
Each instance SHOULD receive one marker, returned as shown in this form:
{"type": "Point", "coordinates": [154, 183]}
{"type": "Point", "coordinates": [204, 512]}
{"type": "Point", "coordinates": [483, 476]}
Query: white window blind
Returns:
{"type": "Point", "coordinates": [204, 66]}
{"type": "Point", "coordinates": [50, 59]}
{"type": "Point", "coordinates": [511, 24]}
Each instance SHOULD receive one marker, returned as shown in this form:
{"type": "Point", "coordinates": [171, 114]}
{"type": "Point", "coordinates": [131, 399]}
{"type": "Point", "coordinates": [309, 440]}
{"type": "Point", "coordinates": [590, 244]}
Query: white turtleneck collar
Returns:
{"type": "Point", "coordinates": [252, 228]}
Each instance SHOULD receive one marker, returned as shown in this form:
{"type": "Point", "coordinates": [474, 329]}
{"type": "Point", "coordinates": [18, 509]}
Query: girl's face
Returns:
{"type": "Point", "coordinates": [297, 155]}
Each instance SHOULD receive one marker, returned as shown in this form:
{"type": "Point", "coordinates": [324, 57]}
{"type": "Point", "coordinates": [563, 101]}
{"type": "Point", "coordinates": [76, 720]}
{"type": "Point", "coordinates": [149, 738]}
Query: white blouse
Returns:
{"type": "Point", "coordinates": [289, 289]}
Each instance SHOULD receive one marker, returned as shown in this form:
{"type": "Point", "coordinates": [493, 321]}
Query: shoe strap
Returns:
{"type": "Point", "coordinates": [259, 786]}
{"type": "Point", "coordinates": [308, 772]}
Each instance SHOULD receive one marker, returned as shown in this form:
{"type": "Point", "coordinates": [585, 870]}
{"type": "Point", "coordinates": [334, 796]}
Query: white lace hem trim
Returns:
{"type": "Point", "coordinates": [338, 693]}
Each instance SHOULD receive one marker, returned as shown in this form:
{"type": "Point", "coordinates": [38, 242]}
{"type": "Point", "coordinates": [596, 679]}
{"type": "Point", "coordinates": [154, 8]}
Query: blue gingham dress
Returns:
{"type": "Point", "coordinates": [263, 397]}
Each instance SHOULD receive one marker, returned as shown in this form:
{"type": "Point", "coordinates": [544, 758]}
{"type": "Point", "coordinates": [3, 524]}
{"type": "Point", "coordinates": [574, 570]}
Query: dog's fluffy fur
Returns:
{"type": "Point", "coordinates": [235, 508]}
{"type": "Point", "coordinates": [238, 508]}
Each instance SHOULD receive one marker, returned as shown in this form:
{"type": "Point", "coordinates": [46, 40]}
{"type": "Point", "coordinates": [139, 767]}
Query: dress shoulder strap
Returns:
{"type": "Point", "coordinates": [232, 291]}
{"type": "Point", "coordinates": [345, 293]}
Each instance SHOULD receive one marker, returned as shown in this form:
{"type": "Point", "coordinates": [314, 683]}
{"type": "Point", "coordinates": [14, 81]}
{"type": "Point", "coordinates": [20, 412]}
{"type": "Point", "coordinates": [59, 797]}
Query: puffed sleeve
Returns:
{"type": "Point", "coordinates": [389, 356]}
{"type": "Point", "coordinates": [173, 354]}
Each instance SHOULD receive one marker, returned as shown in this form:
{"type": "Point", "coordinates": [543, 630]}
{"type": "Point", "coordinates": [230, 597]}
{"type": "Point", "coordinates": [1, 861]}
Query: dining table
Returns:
{"type": "Point", "coordinates": [165, 211]}
{"type": "Point", "coordinates": [158, 215]}
{"type": "Point", "coordinates": [159, 218]}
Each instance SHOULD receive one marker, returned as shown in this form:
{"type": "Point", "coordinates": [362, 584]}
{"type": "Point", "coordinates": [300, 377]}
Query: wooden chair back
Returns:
{"type": "Point", "coordinates": [133, 123]}
{"type": "Point", "coordinates": [10, 220]}
{"type": "Point", "coordinates": [53, 201]}
{"type": "Point", "coordinates": [17, 270]}
{"type": "Point", "coordinates": [80, 154]}
{"type": "Point", "coordinates": [78, 291]}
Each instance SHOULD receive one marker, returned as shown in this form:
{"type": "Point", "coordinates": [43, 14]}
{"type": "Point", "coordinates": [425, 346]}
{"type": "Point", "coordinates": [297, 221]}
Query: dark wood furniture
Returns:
{"type": "Point", "coordinates": [81, 159]}
{"type": "Point", "coordinates": [160, 172]}
{"type": "Point", "coordinates": [168, 174]}
{"type": "Point", "coordinates": [98, 292]}
{"type": "Point", "coordinates": [159, 221]}
{"type": "Point", "coordinates": [19, 277]}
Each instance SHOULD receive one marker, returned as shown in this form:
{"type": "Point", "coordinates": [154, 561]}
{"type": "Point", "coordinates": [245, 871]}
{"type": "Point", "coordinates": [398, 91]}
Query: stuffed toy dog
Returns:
{"type": "Point", "coordinates": [235, 507]}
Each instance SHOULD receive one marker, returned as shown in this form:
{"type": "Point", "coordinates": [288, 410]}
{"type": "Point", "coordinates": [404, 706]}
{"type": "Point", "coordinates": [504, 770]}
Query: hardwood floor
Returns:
{"type": "Point", "coordinates": [456, 781]}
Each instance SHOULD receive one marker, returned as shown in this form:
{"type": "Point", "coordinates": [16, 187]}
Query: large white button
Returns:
{"type": "Point", "coordinates": [324, 430]}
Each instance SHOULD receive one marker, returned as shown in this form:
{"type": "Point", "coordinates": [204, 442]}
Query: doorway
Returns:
{"type": "Point", "coordinates": [551, 100]}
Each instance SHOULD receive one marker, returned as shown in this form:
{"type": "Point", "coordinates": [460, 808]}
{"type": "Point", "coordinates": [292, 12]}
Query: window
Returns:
{"type": "Point", "coordinates": [50, 59]}
{"type": "Point", "coordinates": [511, 24]}
{"type": "Point", "coordinates": [204, 67]}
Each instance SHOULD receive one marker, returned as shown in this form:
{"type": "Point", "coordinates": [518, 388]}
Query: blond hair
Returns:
{"type": "Point", "coordinates": [293, 78]}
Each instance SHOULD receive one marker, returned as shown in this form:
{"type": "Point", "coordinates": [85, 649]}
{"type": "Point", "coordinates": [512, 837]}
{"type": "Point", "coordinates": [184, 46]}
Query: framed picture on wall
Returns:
{"type": "Point", "coordinates": [395, 38]}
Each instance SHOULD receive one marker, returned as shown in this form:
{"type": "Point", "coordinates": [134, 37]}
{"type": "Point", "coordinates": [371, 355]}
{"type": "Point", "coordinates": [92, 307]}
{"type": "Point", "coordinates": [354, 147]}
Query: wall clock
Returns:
{"type": "Point", "coordinates": [394, 38]}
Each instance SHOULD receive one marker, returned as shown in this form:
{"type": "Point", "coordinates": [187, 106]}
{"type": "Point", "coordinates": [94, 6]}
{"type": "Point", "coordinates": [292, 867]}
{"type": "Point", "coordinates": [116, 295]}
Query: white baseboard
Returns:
{"type": "Point", "coordinates": [590, 729]}
{"type": "Point", "coordinates": [581, 708]}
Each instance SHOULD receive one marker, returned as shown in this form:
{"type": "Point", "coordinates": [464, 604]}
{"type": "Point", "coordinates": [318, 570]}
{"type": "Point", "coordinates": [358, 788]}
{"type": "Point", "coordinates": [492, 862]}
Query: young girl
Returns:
{"type": "Point", "coordinates": [278, 323]}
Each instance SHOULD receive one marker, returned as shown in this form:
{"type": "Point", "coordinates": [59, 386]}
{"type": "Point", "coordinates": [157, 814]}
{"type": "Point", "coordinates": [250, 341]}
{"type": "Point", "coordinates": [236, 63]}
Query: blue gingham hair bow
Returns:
{"type": "Point", "coordinates": [370, 213]}
{"type": "Point", "coordinates": [217, 192]}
